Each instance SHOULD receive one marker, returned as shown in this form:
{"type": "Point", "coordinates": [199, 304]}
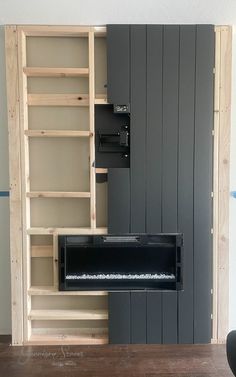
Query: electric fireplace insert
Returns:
{"type": "Point", "coordinates": [121, 262]}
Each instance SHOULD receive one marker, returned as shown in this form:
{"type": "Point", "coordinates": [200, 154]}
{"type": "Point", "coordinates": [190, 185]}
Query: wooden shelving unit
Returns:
{"type": "Point", "coordinates": [30, 64]}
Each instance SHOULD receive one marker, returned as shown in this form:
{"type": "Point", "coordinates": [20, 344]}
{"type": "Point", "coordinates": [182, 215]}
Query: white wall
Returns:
{"type": "Point", "coordinates": [101, 12]}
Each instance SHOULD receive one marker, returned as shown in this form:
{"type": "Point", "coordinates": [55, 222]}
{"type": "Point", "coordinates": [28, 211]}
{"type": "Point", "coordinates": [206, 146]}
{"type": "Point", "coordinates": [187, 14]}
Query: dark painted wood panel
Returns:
{"type": "Point", "coordinates": [138, 128]}
{"type": "Point", "coordinates": [138, 317]}
{"type": "Point", "coordinates": [185, 175]}
{"type": "Point", "coordinates": [154, 317]}
{"type": "Point", "coordinates": [118, 64]}
{"type": "Point", "coordinates": [119, 317]}
{"type": "Point", "coordinates": [170, 127]}
{"type": "Point", "coordinates": [170, 325]}
{"type": "Point", "coordinates": [154, 129]}
{"type": "Point", "coordinates": [203, 183]}
{"type": "Point", "coordinates": [170, 162]}
{"type": "Point", "coordinates": [119, 200]}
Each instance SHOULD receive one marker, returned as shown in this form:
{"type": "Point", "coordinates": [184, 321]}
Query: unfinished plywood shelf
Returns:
{"type": "Point", "coordinates": [57, 133]}
{"type": "Point", "coordinates": [57, 99]}
{"type": "Point", "coordinates": [82, 314]}
{"type": "Point", "coordinates": [55, 72]}
{"type": "Point", "coordinates": [66, 337]}
{"type": "Point", "coordinates": [58, 194]}
{"type": "Point", "coordinates": [65, 230]}
{"type": "Point", "coordinates": [52, 291]}
{"type": "Point", "coordinates": [101, 99]}
{"type": "Point", "coordinates": [101, 171]}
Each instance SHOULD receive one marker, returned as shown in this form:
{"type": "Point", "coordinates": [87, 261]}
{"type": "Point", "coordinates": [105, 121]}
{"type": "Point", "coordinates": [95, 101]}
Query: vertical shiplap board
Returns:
{"type": "Point", "coordinates": [5, 286]}
{"type": "Point", "coordinates": [170, 127]}
{"type": "Point", "coordinates": [118, 67]}
{"type": "Point", "coordinates": [170, 162]}
{"type": "Point", "coordinates": [138, 317]}
{"type": "Point", "coordinates": [154, 317]}
{"type": "Point", "coordinates": [15, 184]}
{"type": "Point", "coordinates": [119, 200]}
{"type": "Point", "coordinates": [203, 183]}
{"type": "Point", "coordinates": [154, 165]}
{"type": "Point", "coordinates": [138, 128]}
{"type": "Point", "coordinates": [119, 317]}
{"type": "Point", "coordinates": [154, 129]}
{"type": "Point", "coordinates": [170, 318]}
{"type": "Point", "coordinates": [185, 176]}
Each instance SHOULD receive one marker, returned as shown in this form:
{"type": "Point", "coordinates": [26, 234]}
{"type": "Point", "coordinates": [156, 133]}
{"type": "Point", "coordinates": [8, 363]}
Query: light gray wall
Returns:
{"type": "Point", "coordinates": [5, 316]}
{"type": "Point", "coordinates": [94, 12]}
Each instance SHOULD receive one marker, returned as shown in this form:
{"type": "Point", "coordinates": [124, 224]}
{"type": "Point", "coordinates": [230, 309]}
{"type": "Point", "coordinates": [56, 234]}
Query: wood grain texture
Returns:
{"type": "Point", "coordinates": [55, 72]}
{"type": "Point", "coordinates": [116, 360]}
{"type": "Point", "coordinates": [58, 100]}
{"type": "Point", "coordinates": [25, 180]}
{"type": "Point", "coordinates": [57, 133]}
{"type": "Point", "coordinates": [15, 184]}
{"type": "Point", "coordinates": [223, 188]}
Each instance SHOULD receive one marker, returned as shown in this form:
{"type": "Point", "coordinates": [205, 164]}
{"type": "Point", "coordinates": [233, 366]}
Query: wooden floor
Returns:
{"type": "Point", "coordinates": [113, 361]}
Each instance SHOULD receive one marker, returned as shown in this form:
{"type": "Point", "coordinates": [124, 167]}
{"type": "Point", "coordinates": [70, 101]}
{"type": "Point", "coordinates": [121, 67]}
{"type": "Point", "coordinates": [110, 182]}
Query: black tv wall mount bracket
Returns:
{"type": "Point", "coordinates": [115, 142]}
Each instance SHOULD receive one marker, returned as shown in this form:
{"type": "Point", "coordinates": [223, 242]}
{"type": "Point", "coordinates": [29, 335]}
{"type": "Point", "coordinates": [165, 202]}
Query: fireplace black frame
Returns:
{"type": "Point", "coordinates": [160, 256]}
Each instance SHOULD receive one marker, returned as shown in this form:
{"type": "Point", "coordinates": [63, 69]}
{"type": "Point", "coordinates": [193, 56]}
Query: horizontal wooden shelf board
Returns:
{"type": "Point", "coordinates": [101, 99]}
{"type": "Point", "coordinates": [101, 170]}
{"type": "Point", "coordinates": [58, 99]}
{"type": "Point", "coordinates": [57, 133]}
{"type": "Point", "coordinates": [61, 31]}
{"type": "Point", "coordinates": [72, 231]}
{"type": "Point", "coordinates": [51, 291]}
{"type": "Point", "coordinates": [57, 194]}
{"type": "Point", "coordinates": [69, 336]}
{"type": "Point", "coordinates": [55, 72]}
{"type": "Point", "coordinates": [41, 251]}
{"type": "Point", "coordinates": [84, 314]}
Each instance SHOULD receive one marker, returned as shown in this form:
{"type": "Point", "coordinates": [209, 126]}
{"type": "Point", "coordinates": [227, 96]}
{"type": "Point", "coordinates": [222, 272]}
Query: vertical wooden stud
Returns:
{"type": "Point", "coordinates": [15, 184]}
{"type": "Point", "coordinates": [25, 180]}
{"type": "Point", "coordinates": [92, 130]}
{"type": "Point", "coordinates": [216, 184]}
{"type": "Point", "coordinates": [221, 236]}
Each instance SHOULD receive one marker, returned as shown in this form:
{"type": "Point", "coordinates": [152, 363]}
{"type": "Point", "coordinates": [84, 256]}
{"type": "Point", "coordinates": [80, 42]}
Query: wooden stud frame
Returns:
{"type": "Point", "coordinates": [20, 193]}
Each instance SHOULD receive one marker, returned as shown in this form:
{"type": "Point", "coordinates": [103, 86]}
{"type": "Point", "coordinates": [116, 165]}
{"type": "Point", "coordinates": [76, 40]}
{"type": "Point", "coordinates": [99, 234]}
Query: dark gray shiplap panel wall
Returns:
{"type": "Point", "coordinates": [119, 200]}
{"type": "Point", "coordinates": [154, 129]}
{"type": "Point", "coordinates": [118, 69]}
{"type": "Point", "coordinates": [185, 175]}
{"type": "Point", "coordinates": [171, 81]}
{"type": "Point", "coordinates": [138, 127]}
{"type": "Point", "coordinates": [203, 183]}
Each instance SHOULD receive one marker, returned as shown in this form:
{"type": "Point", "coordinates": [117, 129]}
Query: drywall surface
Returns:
{"type": "Point", "coordinates": [113, 11]}
{"type": "Point", "coordinates": [5, 294]}
{"type": "Point", "coordinates": [94, 12]}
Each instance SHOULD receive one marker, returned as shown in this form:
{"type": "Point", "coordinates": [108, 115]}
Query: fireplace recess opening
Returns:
{"type": "Point", "coordinates": [121, 262]}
